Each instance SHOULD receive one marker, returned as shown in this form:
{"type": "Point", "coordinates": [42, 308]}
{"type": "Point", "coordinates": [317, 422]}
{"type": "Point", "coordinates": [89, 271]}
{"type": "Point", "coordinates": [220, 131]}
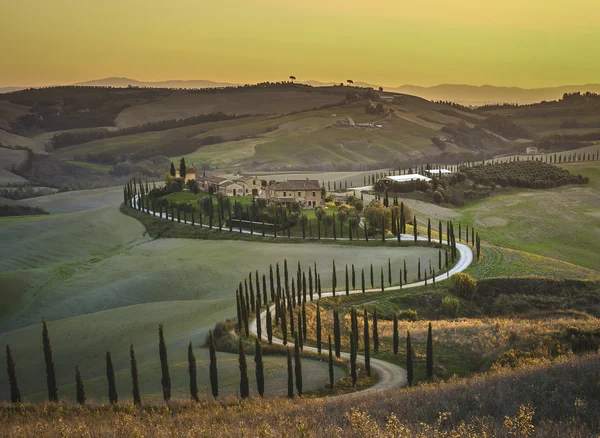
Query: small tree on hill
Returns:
{"type": "Point", "coordinates": [137, 400]}
{"type": "Point", "coordinates": [214, 381]}
{"type": "Point", "coordinates": [79, 388]}
{"type": "Point", "coordinates": [50, 371]}
{"type": "Point", "coordinates": [192, 372]}
{"type": "Point", "coordinates": [15, 392]}
{"type": "Point", "coordinates": [172, 170]}
{"type": "Point", "coordinates": [110, 375]}
{"type": "Point", "coordinates": [164, 365]}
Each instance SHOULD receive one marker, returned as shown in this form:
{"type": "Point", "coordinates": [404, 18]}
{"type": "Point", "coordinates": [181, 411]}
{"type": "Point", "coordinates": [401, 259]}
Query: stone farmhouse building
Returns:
{"type": "Point", "coordinates": [190, 173]}
{"type": "Point", "coordinates": [307, 192]}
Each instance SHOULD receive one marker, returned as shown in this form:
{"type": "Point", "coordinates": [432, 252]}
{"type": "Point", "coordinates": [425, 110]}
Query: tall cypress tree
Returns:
{"type": "Point", "coordinates": [389, 272]}
{"type": "Point", "coordinates": [372, 277]}
{"type": "Point", "coordinates": [304, 321]}
{"type": "Point", "coordinates": [409, 360]}
{"type": "Point", "coordinates": [164, 365]}
{"type": "Point", "coordinates": [395, 339]}
{"type": "Point", "coordinates": [367, 342]}
{"type": "Point", "coordinates": [214, 380]}
{"type": "Point", "coordinates": [381, 282]}
{"type": "Point", "coordinates": [284, 330]}
{"type": "Point", "coordinates": [333, 279]}
{"type": "Point", "coordinates": [362, 280]}
{"type": "Point", "coordinates": [269, 326]}
{"type": "Point", "coordinates": [135, 384]}
{"type": "Point", "coordinates": [353, 359]}
{"type": "Point", "coordinates": [310, 283]}
{"type": "Point", "coordinates": [347, 282]}
{"type": "Point", "coordinates": [50, 371]}
{"type": "Point", "coordinates": [318, 328]}
{"type": "Point", "coordinates": [429, 364]}
{"type": "Point", "coordinates": [336, 332]}
{"type": "Point", "coordinates": [330, 364]}
{"type": "Point", "coordinates": [192, 372]}
{"type": "Point", "coordinates": [353, 278]}
{"type": "Point", "coordinates": [15, 392]}
{"type": "Point", "coordinates": [300, 331]}
{"type": "Point", "coordinates": [429, 230]}
{"type": "Point", "coordinates": [298, 366]}
{"type": "Point", "coordinates": [110, 375]}
{"type": "Point", "coordinates": [265, 297]}
{"type": "Point", "coordinates": [405, 273]}
{"type": "Point", "coordinates": [244, 388]}
{"type": "Point", "coordinates": [271, 283]}
{"type": "Point", "coordinates": [260, 373]}
{"type": "Point", "coordinates": [415, 231]}
{"type": "Point", "coordinates": [258, 324]}
{"type": "Point", "coordinates": [319, 284]}
{"type": "Point", "coordinates": [290, 370]}
{"type": "Point", "coordinates": [239, 311]}
{"type": "Point", "coordinates": [375, 332]}
{"type": "Point", "coordinates": [79, 388]}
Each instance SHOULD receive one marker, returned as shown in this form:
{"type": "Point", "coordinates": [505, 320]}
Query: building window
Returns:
{"type": "Point", "coordinates": [284, 194]}
{"type": "Point", "coordinates": [314, 194]}
{"type": "Point", "coordinates": [299, 194]}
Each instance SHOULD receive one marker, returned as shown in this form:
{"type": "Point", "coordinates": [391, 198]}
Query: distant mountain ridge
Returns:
{"type": "Point", "coordinates": [125, 82]}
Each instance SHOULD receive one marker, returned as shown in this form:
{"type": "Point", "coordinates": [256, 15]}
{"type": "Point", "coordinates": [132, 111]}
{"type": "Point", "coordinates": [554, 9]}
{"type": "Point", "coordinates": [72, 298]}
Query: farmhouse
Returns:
{"type": "Point", "coordinates": [252, 185]}
{"type": "Point", "coordinates": [532, 150]}
{"type": "Point", "coordinates": [206, 183]}
{"type": "Point", "coordinates": [232, 188]}
{"type": "Point", "coordinates": [190, 173]}
{"type": "Point", "coordinates": [306, 192]}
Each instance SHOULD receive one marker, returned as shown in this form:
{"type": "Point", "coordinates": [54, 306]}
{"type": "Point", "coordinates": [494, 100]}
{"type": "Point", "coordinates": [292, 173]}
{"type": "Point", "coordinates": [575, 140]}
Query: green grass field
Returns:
{"type": "Point", "coordinates": [102, 285]}
{"type": "Point", "coordinates": [560, 223]}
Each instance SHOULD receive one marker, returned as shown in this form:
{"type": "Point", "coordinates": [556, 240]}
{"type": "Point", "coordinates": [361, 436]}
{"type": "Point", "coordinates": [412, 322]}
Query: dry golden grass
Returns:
{"type": "Point", "coordinates": [540, 400]}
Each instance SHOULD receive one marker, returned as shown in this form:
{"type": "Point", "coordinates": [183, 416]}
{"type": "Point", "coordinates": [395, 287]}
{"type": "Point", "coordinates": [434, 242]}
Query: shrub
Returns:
{"type": "Point", "coordinates": [464, 286]}
{"type": "Point", "coordinates": [450, 306]}
{"type": "Point", "coordinates": [408, 315]}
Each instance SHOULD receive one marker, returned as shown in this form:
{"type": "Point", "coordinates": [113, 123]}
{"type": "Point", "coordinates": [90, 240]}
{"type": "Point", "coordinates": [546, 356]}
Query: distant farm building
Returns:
{"type": "Point", "coordinates": [532, 150]}
{"type": "Point", "coordinates": [438, 172]}
{"type": "Point", "coordinates": [347, 122]}
{"type": "Point", "coordinates": [404, 178]}
{"type": "Point", "coordinates": [190, 173]}
{"type": "Point", "coordinates": [306, 192]}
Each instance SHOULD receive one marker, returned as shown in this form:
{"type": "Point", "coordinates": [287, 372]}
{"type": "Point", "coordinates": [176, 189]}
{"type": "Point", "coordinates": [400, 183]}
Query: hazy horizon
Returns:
{"type": "Point", "coordinates": [533, 45]}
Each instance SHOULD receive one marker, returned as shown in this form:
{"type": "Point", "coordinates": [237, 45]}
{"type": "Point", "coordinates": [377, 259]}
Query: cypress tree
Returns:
{"type": "Point", "coordinates": [286, 277]}
{"type": "Point", "coordinates": [110, 375]}
{"type": "Point", "coordinates": [400, 278]}
{"type": "Point", "coordinates": [304, 287]}
{"type": "Point", "coordinates": [294, 293]}
{"type": "Point", "coordinates": [330, 364]}
{"type": "Point", "coordinates": [214, 380]}
{"type": "Point", "coordinates": [298, 366]}
{"type": "Point", "coordinates": [429, 230]}
{"type": "Point", "coordinates": [362, 280]}
{"type": "Point", "coordinates": [382, 283]}
{"type": "Point", "coordinates": [405, 273]}
{"type": "Point", "coordinates": [50, 371]}
{"type": "Point", "coordinates": [164, 365]}
{"type": "Point", "coordinates": [319, 284]}
{"type": "Point", "coordinates": [284, 327]}
{"type": "Point", "coordinates": [429, 364]}
{"type": "Point", "coordinates": [352, 359]}
{"type": "Point", "coordinates": [300, 331]}
{"type": "Point", "coordinates": [372, 277]}
{"type": "Point", "coordinates": [269, 326]}
{"type": "Point", "coordinates": [135, 384]}
{"type": "Point", "coordinates": [15, 392]}
{"type": "Point", "coordinates": [271, 283]}
{"type": "Point", "coordinates": [310, 283]}
{"type": "Point", "coordinates": [290, 371]}
{"type": "Point", "coordinates": [292, 327]}
{"type": "Point", "coordinates": [415, 231]}
{"type": "Point", "coordinates": [238, 309]}
{"type": "Point", "coordinates": [389, 272]}
{"type": "Point", "coordinates": [440, 231]}
{"type": "Point", "coordinates": [258, 324]}
{"type": "Point", "coordinates": [367, 342]}
{"type": "Point", "coordinates": [478, 246]}
{"type": "Point", "coordinates": [347, 282]}
{"type": "Point", "coordinates": [375, 332]}
{"type": "Point", "coordinates": [260, 373]}
{"type": "Point", "coordinates": [192, 372]}
{"type": "Point", "coordinates": [264, 282]}
{"type": "Point", "coordinates": [409, 360]}
{"type": "Point", "coordinates": [336, 332]}
{"type": "Point", "coordinates": [318, 328]}
{"type": "Point", "coordinates": [79, 388]}
{"type": "Point", "coordinates": [304, 321]}
{"type": "Point", "coordinates": [395, 339]}
{"type": "Point", "coordinates": [419, 269]}
{"type": "Point", "coordinates": [244, 388]}
{"type": "Point", "coordinates": [333, 279]}
{"type": "Point", "coordinates": [440, 259]}
{"type": "Point", "coordinates": [251, 292]}
{"type": "Point", "coordinates": [353, 278]}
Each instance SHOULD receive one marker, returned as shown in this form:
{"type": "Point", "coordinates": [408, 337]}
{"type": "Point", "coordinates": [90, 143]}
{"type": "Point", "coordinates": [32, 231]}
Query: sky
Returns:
{"type": "Point", "coordinates": [525, 43]}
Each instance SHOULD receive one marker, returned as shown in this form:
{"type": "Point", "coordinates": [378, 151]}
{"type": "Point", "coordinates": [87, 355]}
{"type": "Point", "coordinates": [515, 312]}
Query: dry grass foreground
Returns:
{"type": "Point", "coordinates": [542, 399]}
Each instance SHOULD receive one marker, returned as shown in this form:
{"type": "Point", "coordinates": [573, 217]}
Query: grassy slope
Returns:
{"type": "Point", "coordinates": [560, 223]}
{"type": "Point", "coordinates": [78, 200]}
{"type": "Point", "coordinates": [106, 295]}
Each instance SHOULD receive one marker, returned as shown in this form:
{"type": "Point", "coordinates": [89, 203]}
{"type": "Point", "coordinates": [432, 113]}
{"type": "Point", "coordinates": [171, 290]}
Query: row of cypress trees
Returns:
{"type": "Point", "coordinates": [110, 372]}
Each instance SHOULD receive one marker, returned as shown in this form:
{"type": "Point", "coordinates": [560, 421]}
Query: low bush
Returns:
{"type": "Point", "coordinates": [450, 306]}
{"type": "Point", "coordinates": [464, 286]}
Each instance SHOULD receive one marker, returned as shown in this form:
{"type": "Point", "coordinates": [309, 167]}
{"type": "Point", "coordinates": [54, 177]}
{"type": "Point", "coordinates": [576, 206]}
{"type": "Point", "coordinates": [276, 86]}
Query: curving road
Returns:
{"type": "Point", "coordinates": [390, 375]}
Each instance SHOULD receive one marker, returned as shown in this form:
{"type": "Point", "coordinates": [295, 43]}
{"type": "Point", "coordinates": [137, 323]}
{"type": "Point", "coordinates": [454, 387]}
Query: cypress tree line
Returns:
{"type": "Point", "coordinates": [50, 371]}
{"type": "Point", "coordinates": [318, 328]}
{"type": "Point", "coordinates": [214, 381]}
{"type": "Point", "coordinates": [367, 342]}
{"type": "Point", "coordinates": [110, 375]}
{"type": "Point", "coordinates": [409, 360]}
{"type": "Point", "coordinates": [297, 366]}
{"type": "Point", "coordinates": [192, 372]}
{"type": "Point", "coordinates": [79, 388]}
{"type": "Point", "coordinates": [164, 365]}
{"type": "Point", "coordinates": [429, 362]}
{"type": "Point", "coordinates": [352, 359]}
{"type": "Point", "coordinates": [336, 331]}
{"type": "Point", "coordinates": [260, 373]}
{"type": "Point", "coordinates": [290, 371]}
{"type": "Point", "coordinates": [135, 385]}
{"type": "Point", "coordinates": [375, 332]}
{"type": "Point", "coordinates": [330, 364]}
{"type": "Point", "coordinates": [244, 387]}
{"type": "Point", "coordinates": [15, 392]}
{"type": "Point", "coordinates": [395, 339]}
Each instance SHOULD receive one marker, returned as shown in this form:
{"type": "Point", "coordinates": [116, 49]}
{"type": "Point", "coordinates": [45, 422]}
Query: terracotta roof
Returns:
{"type": "Point", "coordinates": [297, 184]}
